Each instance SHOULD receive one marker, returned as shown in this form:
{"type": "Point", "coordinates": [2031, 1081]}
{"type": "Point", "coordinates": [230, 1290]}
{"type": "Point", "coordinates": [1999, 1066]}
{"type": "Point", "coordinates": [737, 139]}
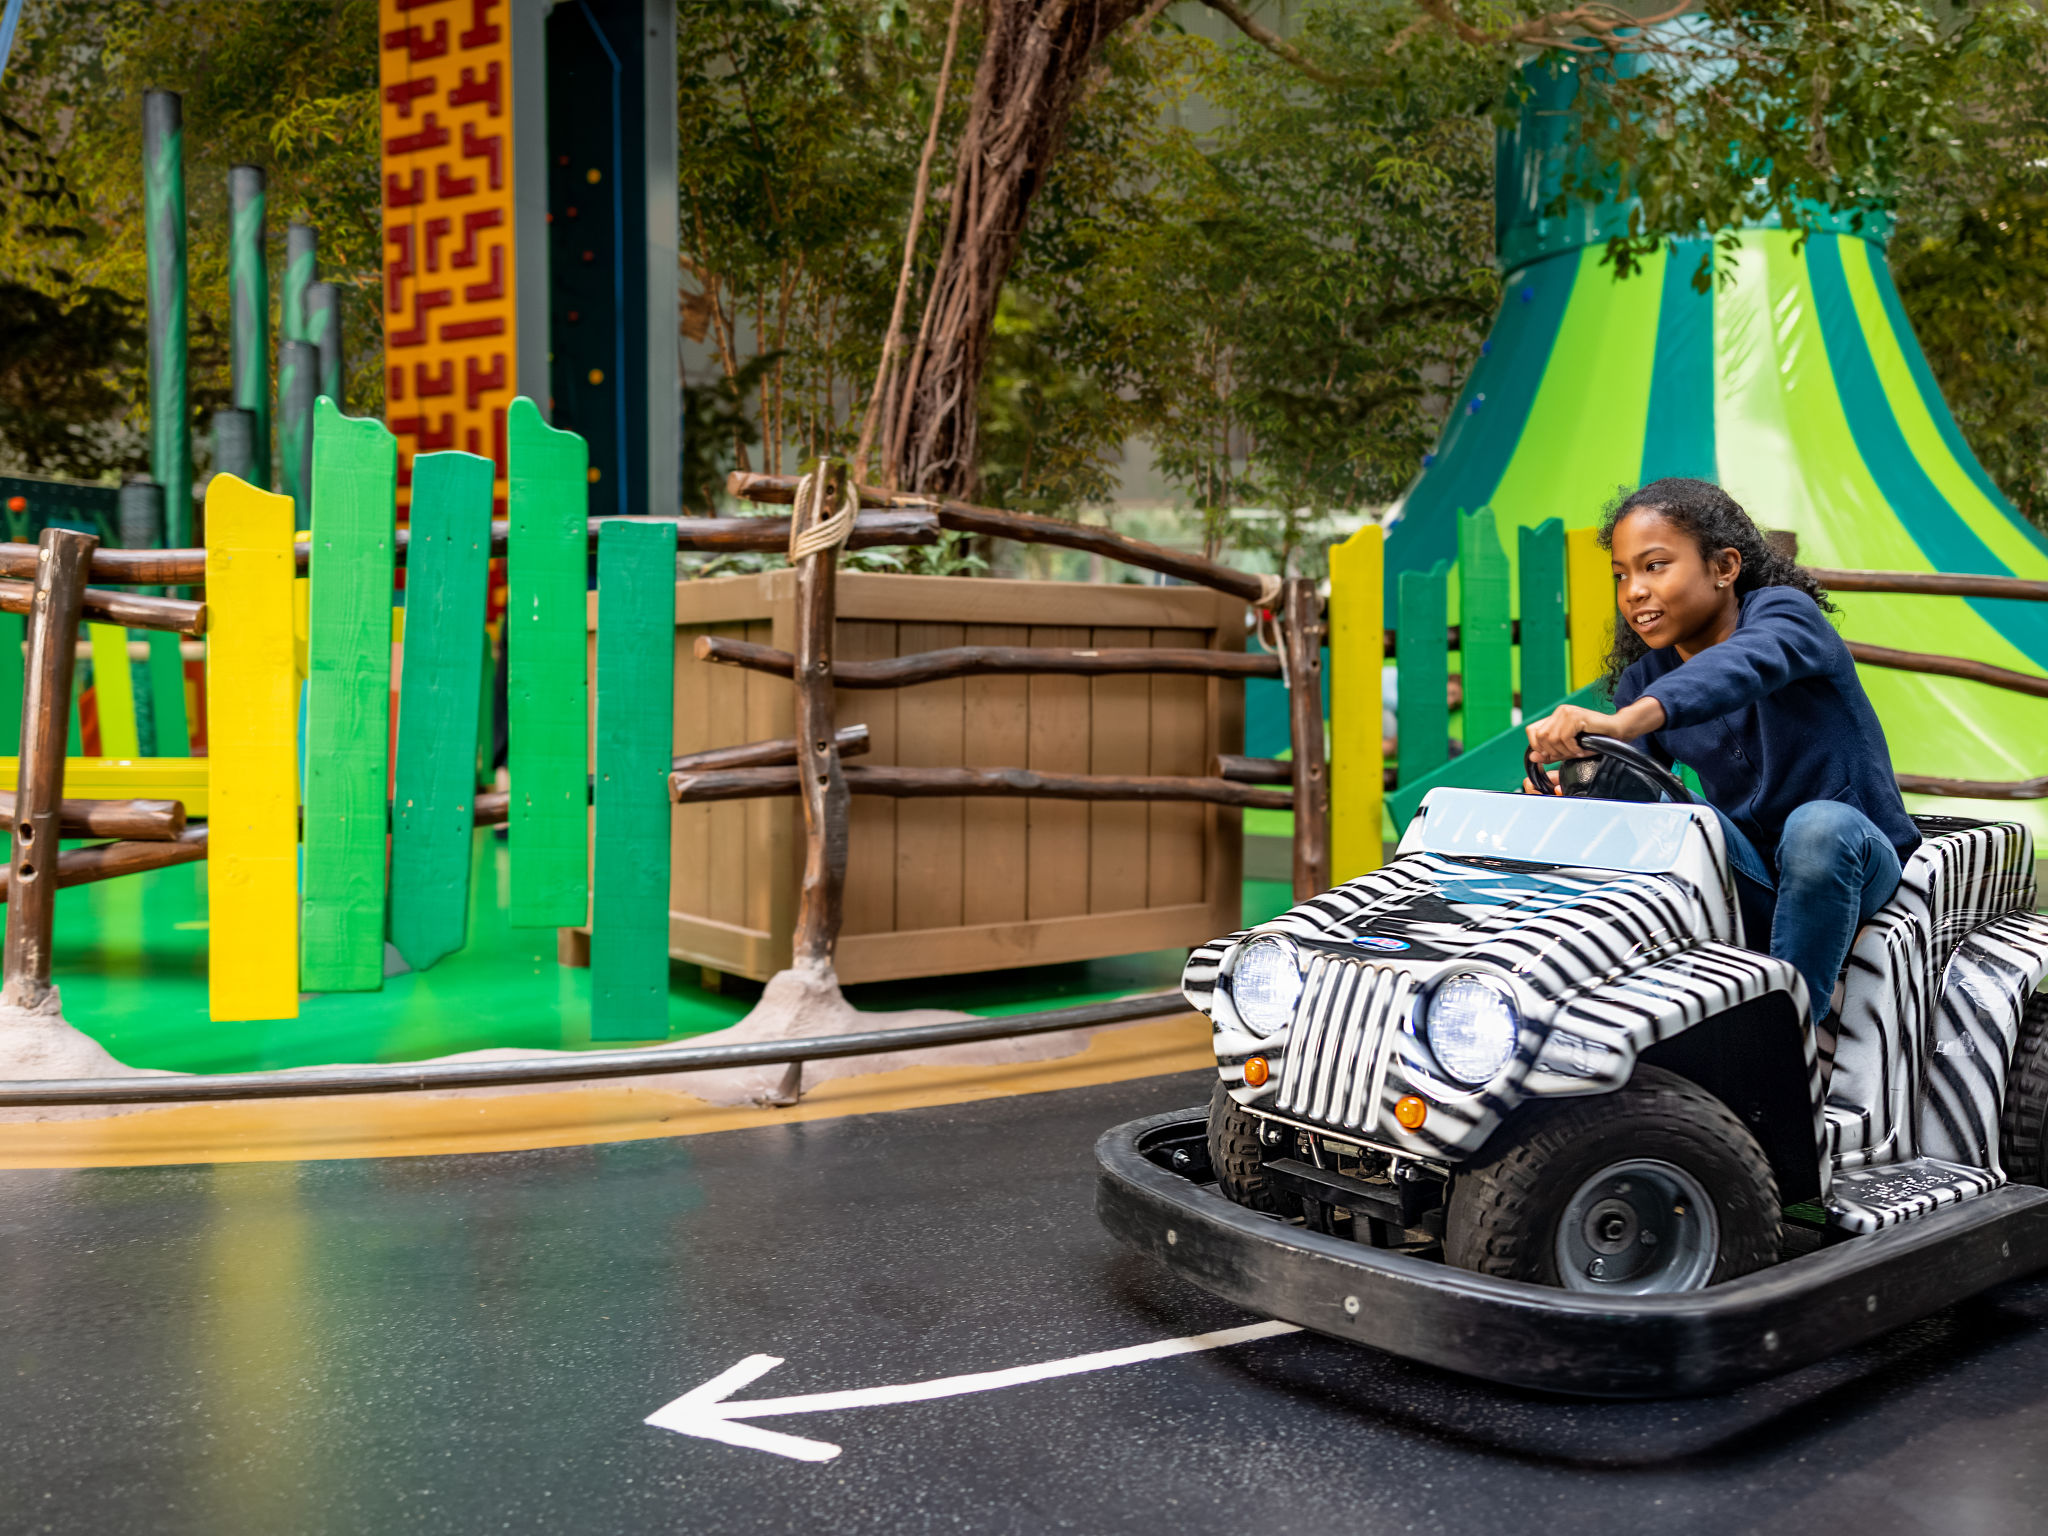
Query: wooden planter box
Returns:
{"type": "Point", "coordinates": [941, 886]}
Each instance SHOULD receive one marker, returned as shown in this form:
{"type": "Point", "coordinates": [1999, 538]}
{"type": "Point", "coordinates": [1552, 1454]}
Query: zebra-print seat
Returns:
{"type": "Point", "coordinates": [1881, 1040]}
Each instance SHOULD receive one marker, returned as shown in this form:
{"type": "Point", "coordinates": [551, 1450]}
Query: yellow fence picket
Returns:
{"type": "Point", "coordinates": [1357, 653]}
{"type": "Point", "coordinates": [252, 728]}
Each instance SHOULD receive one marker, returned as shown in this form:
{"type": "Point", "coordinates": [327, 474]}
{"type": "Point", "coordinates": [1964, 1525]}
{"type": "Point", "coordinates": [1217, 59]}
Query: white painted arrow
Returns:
{"type": "Point", "coordinates": [705, 1413]}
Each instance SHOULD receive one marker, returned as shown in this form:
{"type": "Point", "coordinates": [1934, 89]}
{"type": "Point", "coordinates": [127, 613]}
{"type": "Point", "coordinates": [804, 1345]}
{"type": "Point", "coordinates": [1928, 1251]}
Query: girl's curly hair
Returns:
{"type": "Point", "coordinates": [1716, 522]}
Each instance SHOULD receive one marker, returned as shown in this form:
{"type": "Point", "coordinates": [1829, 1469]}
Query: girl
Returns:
{"type": "Point", "coordinates": [1722, 660]}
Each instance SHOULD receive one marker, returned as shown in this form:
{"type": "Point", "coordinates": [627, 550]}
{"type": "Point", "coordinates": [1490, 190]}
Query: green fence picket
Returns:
{"type": "Point", "coordinates": [549, 702]}
{"type": "Point", "coordinates": [1541, 558]}
{"type": "Point", "coordinates": [348, 704]}
{"type": "Point", "coordinates": [433, 802]}
{"type": "Point", "coordinates": [11, 677]}
{"type": "Point", "coordinates": [167, 695]}
{"type": "Point", "coordinates": [636, 587]}
{"type": "Point", "coordinates": [1485, 637]}
{"type": "Point", "coordinates": [1421, 710]}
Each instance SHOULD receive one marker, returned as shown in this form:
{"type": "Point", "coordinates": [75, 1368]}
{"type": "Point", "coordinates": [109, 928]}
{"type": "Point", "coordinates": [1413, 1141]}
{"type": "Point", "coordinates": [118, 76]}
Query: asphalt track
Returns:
{"type": "Point", "coordinates": [472, 1344]}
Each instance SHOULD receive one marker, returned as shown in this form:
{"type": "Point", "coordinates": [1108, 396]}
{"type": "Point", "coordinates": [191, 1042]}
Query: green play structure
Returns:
{"type": "Point", "coordinates": [1796, 382]}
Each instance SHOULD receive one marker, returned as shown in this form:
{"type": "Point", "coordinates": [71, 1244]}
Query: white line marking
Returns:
{"type": "Point", "coordinates": [703, 1411]}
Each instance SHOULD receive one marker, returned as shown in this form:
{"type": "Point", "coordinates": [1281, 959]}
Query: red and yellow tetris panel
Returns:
{"type": "Point", "coordinates": [253, 763]}
{"type": "Point", "coordinates": [449, 319]}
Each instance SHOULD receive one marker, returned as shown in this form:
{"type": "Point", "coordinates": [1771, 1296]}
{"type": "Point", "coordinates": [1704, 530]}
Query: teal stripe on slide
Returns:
{"type": "Point", "coordinates": [1487, 421]}
{"type": "Point", "coordinates": [1937, 405]}
{"type": "Point", "coordinates": [1678, 436]}
{"type": "Point", "coordinates": [1948, 541]}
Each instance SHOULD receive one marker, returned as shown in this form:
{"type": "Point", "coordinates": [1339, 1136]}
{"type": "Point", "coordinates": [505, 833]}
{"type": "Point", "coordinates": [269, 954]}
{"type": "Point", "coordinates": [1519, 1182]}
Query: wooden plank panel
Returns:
{"type": "Point", "coordinates": [1119, 742]}
{"type": "Point", "coordinates": [1421, 712]}
{"type": "Point", "coordinates": [636, 574]}
{"type": "Point", "coordinates": [1056, 882]}
{"type": "Point", "coordinates": [549, 696]}
{"type": "Point", "coordinates": [953, 599]}
{"type": "Point", "coordinates": [433, 803]}
{"type": "Point", "coordinates": [930, 834]}
{"type": "Point", "coordinates": [252, 727]}
{"type": "Point", "coordinates": [995, 733]}
{"type": "Point", "coordinates": [348, 702]}
{"type": "Point", "coordinates": [1179, 706]}
{"type": "Point", "coordinates": [727, 713]}
{"type": "Point", "coordinates": [1357, 657]}
{"type": "Point", "coordinates": [690, 825]}
{"type": "Point", "coordinates": [1484, 639]}
{"type": "Point", "coordinates": [770, 713]}
{"type": "Point", "coordinates": [113, 686]}
{"type": "Point", "coordinates": [1545, 666]}
{"type": "Point", "coordinates": [871, 823]}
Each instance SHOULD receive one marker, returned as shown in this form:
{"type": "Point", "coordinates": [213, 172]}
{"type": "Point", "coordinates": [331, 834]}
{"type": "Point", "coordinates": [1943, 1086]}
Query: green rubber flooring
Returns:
{"type": "Point", "coordinates": [131, 964]}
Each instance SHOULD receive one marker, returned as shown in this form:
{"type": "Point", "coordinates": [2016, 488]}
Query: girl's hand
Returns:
{"type": "Point", "coordinates": [1529, 785]}
{"type": "Point", "coordinates": [1555, 738]}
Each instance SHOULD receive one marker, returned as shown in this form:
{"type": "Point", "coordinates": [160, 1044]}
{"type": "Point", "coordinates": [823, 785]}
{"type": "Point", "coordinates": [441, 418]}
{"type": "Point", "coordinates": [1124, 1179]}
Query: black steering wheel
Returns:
{"type": "Point", "coordinates": [1614, 766]}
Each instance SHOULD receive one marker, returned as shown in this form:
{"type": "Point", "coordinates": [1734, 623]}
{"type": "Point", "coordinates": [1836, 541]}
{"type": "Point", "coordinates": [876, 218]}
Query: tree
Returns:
{"type": "Point", "coordinates": [287, 84]}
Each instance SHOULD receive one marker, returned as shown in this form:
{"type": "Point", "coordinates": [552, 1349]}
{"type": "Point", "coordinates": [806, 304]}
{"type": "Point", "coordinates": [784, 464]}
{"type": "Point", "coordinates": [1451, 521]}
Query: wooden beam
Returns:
{"type": "Point", "coordinates": [1301, 632]}
{"type": "Point", "coordinates": [1026, 528]}
{"type": "Point", "coordinates": [1254, 770]}
{"type": "Point", "coordinates": [127, 608]}
{"type": "Point", "coordinates": [1932, 584]}
{"type": "Point", "coordinates": [1975, 789]}
{"type": "Point", "coordinates": [108, 861]}
{"type": "Point", "coordinates": [851, 740]}
{"type": "Point", "coordinates": [996, 783]}
{"type": "Point", "coordinates": [63, 558]}
{"type": "Point", "coordinates": [822, 896]}
{"type": "Point", "coordinates": [149, 821]}
{"type": "Point", "coordinates": [705, 535]}
{"type": "Point", "coordinates": [1949, 666]}
{"type": "Point", "coordinates": [996, 660]}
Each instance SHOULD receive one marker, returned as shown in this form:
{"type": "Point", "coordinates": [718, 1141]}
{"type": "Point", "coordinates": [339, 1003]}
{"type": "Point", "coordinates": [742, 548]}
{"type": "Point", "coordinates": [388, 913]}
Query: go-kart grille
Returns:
{"type": "Point", "coordinates": [1335, 1071]}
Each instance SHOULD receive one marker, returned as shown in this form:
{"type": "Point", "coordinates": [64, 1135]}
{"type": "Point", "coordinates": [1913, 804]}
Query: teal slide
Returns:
{"type": "Point", "coordinates": [1797, 384]}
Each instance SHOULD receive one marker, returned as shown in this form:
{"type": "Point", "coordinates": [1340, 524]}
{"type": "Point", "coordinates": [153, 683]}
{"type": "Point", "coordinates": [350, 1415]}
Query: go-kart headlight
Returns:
{"type": "Point", "coordinates": [1265, 984]}
{"type": "Point", "coordinates": [1472, 1025]}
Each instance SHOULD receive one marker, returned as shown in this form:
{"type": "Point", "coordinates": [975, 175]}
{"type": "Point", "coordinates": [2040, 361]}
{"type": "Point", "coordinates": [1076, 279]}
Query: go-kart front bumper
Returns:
{"type": "Point", "coordinates": [1538, 1336]}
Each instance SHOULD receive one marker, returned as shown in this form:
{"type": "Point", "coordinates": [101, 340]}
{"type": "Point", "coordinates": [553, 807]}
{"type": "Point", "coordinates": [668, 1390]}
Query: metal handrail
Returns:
{"type": "Point", "coordinates": [573, 1066]}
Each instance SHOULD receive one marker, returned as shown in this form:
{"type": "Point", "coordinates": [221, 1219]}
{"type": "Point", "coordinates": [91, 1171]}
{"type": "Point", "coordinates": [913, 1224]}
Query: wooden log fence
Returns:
{"type": "Point", "coordinates": [588, 808]}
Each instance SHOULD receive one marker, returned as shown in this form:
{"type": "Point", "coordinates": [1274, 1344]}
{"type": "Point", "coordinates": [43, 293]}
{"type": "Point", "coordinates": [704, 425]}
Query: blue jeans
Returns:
{"type": "Point", "coordinates": [1835, 869]}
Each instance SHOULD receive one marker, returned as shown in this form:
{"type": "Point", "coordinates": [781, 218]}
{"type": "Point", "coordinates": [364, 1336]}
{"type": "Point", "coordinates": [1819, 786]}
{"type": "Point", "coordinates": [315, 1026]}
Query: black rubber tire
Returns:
{"type": "Point", "coordinates": [2023, 1123]}
{"type": "Point", "coordinates": [1234, 1155]}
{"type": "Point", "coordinates": [1503, 1211]}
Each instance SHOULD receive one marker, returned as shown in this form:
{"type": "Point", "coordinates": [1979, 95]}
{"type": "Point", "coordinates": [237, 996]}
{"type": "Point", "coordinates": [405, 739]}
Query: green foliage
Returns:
{"type": "Point", "coordinates": [290, 85]}
{"type": "Point", "coordinates": [800, 127]}
{"type": "Point", "coordinates": [1281, 305]}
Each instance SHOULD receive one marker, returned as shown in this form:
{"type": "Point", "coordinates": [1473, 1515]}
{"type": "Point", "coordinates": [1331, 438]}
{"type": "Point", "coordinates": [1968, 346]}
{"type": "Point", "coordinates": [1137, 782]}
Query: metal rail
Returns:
{"type": "Point", "coordinates": [578, 1066]}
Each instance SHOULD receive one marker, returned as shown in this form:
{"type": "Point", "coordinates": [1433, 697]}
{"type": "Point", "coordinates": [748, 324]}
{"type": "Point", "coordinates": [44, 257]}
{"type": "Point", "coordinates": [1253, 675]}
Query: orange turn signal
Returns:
{"type": "Point", "coordinates": [1411, 1112]}
{"type": "Point", "coordinates": [1256, 1072]}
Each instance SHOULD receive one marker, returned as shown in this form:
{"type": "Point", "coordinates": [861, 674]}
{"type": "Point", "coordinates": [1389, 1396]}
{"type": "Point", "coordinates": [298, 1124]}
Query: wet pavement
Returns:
{"type": "Point", "coordinates": [470, 1344]}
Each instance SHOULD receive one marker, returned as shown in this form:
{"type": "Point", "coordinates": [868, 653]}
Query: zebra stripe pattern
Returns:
{"type": "Point", "coordinates": [1910, 1019]}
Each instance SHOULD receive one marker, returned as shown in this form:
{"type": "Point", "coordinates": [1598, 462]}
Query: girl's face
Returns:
{"type": "Point", "coordinates": [1666, 590]}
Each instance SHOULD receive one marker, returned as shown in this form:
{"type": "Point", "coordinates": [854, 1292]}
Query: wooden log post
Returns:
{"type": "Point", "coordinates": [1302, 634]}
{"type": "Point", "coordinates": [823, 787]}
{"type": "Point", "coordinates": [64, 557]}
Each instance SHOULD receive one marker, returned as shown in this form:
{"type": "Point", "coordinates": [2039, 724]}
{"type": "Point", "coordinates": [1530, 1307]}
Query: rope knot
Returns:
{"type": "Point", "coordinates": [811, 528]}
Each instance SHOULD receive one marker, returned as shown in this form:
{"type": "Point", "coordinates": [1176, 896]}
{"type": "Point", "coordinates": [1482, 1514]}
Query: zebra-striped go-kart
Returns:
{"type": "Point", "coordinates": [1527, 1104]}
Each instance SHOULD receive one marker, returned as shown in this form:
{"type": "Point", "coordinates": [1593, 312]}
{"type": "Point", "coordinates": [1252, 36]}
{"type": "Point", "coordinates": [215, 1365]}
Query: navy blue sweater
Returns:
{"type": "Point", "coordinates": [1771, 718]}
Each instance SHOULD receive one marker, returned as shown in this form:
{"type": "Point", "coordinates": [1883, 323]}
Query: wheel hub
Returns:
{"type": "Point", "coordinates": [1638, 1228]}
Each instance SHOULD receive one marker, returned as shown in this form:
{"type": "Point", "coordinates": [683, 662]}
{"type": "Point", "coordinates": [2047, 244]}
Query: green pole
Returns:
{"type": "Point", "coordinates": [298, 378]}
{"type": "Point", "coordinates": [163, 192]}
{"type": "Point", "coordinates": [323, 330]}
{"type": "Point", "coordinates": [249, 318]}
{"type": "Point", "coordinates": [301, 267]}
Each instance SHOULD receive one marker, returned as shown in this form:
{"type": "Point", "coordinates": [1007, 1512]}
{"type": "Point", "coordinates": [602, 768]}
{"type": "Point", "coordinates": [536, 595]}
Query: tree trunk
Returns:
{"type": "Point", "coordinates": [1035, 60]}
